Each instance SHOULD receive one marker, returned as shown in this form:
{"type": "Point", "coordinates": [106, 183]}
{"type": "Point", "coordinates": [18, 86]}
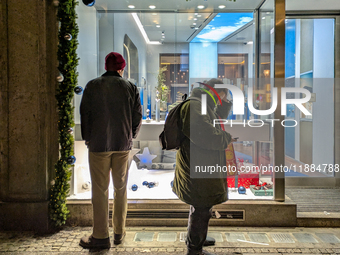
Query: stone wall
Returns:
{"type": "Point", "coordinates": [28, 112]}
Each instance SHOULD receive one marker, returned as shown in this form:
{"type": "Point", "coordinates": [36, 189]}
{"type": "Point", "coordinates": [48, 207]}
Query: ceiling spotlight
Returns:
{"type": "Point", "coordinates": [194, 24]}
{"type": "Point", "coordinates": [198, 16]}
{"type": "Point", "coordinates": [163, 36]}
{"type": "Point", "coordinates": [196, 13]}
{"type": "Point", "coordinates": [154, 14]}
{"type": "Point", "coordinates": [131, 6]}
{"type": "Point", "coordinates": [263, 17]}
{"type": "Point", "coordinates": [158, 26]}
{"type": "Point", "coordinates": [201, 7]}
{"type": "Point", "coordinates": [152, 7]}
{"type": "Point", "coordinates": [195, 18]}
{"type": "Point", "coordinates": [221, 6]}
{"type": "Point", "coordinates": [196, 27]}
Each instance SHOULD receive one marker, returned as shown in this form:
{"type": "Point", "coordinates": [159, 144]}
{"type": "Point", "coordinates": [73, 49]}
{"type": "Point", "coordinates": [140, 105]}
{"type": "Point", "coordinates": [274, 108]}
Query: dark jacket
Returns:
{"type": "Point", "coordinates": [111, 113]}
{"type": "Point", "coordinates": [203, 145]}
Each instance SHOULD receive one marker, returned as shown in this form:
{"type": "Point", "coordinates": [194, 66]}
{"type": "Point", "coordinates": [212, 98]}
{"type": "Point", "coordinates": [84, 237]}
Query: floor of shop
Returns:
{"type": "Point", "coordinates": [166, 240]}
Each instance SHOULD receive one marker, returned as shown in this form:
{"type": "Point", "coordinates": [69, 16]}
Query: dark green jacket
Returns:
{"type": "Point", "coordinates": [204, 145]}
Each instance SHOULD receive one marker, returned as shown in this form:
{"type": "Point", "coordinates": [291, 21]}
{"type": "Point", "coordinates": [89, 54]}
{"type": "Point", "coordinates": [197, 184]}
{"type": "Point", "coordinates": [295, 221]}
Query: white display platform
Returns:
{"type": "Point", "coordinates": [163, 189]}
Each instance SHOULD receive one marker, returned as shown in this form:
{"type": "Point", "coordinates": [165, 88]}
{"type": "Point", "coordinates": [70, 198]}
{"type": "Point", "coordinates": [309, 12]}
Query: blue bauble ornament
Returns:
{"type": "Point", "coordinates": [89, 3]}
{"type": "Point", "coordinates": [242, 190]}
{"type": "Point", "coordinates": [134, 187]}
{"type": "Point", "coordinates": [151, 185]}
{"type": "Point", "coordinates": [71, 160]}
{"type": "Point", "coordinates": [78, 90]}
{"type": "Point", "coordinates": [145, 183]}
{"type": "Point", "coordinates": [172, 184]}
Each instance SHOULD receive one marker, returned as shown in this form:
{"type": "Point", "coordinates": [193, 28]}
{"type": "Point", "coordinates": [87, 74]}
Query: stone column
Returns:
{"type": "Point", "coordinates": [28, 113]}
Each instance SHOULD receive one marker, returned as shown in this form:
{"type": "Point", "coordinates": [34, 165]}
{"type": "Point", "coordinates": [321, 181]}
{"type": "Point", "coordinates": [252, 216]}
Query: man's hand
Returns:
{"type": "Point", "coordinates": [234, 139]}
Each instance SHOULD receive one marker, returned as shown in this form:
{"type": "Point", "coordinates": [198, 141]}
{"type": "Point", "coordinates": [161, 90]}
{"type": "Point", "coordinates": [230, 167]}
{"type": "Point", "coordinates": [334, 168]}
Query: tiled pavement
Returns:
{"type": "Point", "coordinates": [169, 240]}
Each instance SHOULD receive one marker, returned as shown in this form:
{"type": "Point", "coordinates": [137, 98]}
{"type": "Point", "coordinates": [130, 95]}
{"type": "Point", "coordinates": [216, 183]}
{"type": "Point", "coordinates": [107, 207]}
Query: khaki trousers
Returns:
{"type": "Point", "coordinates": [100, 165]}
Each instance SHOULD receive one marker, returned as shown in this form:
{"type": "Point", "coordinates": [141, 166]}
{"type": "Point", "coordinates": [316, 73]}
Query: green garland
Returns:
{"type": "Point", "coordinates": [68, 62]}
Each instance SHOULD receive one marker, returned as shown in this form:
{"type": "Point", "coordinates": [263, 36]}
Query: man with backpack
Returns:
{"type": "Point", "coordinates": [202, 145]}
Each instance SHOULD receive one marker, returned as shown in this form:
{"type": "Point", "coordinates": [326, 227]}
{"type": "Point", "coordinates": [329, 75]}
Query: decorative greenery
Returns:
{"type": "Point", "coordinates": [68, 62]}
{"type": "Point", "coordinates": [162, 89]}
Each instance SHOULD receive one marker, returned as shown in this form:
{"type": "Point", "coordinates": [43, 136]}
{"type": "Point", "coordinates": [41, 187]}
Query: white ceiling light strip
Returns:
{"type": "Point", "coordinates": [141, 28]}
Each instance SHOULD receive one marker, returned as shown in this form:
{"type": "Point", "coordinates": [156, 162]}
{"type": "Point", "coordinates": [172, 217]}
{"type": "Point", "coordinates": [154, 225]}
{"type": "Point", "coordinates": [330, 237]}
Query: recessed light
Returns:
{"type": "Point", "coordinates": [196, 13]}
{"type": "Point", "coordinates": [195, 18]}
{"type": "Point", "coordinates": [196, 27]}
{"type": "Point", "coordinates": [152, 6]}
{"type": "Point", "coordinates": [131, 6]}
{"type": "Point", "coordinates": [201, 7]}
{"type": "Point", "coordinates": [221, 6]}
{"type": "Point", "coordinates": [194, 24]}
{"type": "Point", "coordinates": [158, 26]}
{"type": "Point", "coordinates": [263, 17]}
{"type": "Point", "coordinates": [163, 36]}
{"type": "Point", "coordinates": [154, 14]}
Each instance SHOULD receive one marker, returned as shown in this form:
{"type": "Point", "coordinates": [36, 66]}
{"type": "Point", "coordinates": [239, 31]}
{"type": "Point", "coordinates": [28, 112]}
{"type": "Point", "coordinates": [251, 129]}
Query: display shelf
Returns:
{"type": "Point", "coordinates": [163, 189]}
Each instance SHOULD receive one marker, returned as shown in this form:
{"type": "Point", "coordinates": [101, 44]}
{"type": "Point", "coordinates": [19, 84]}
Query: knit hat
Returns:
{"type": "Point", "coordinates": [114, 62]}
{"type": "Point", "coordinates": [212, 83]}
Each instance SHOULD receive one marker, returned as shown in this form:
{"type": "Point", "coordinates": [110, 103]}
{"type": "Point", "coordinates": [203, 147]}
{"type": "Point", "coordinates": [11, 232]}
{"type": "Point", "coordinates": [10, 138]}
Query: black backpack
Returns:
{"type": "Point", "coordinates": [172, 136]}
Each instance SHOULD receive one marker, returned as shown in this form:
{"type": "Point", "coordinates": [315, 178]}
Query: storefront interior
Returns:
{"type": "Point", "coordinates": [186, 42]}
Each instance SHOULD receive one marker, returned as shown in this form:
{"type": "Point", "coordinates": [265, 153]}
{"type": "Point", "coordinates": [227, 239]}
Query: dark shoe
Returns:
{"type": "Point", "coordinates": [209, 241]}
{"type": "Point", "coordinates": [118, 238]}
{"type": "Point", "coordinates": [89, 242]}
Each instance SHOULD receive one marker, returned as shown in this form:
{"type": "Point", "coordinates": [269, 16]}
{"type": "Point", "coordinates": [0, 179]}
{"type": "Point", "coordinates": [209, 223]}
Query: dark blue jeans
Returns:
{"type": "Point", "coordinates": [197, 228]}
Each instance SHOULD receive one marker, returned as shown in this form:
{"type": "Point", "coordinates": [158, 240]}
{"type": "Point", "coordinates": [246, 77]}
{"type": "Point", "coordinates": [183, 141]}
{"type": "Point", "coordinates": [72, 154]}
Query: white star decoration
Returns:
{"type": "Point", "coordinates": [146, 158]}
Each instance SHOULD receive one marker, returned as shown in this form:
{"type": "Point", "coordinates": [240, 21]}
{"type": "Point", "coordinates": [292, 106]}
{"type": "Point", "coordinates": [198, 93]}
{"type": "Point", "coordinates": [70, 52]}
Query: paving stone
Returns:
{"type": "Point", "coordinates": [323, 251]}
{"type": "Point", "coordinates": [249, 250]}
{"type": "Point", "coordinates": [170, 250]}
{"type": "Point", "coordinates": [129, 249]}
{"type": "Point", "coordinates": [305, 250]}
{"type": "Point", "coordinates": [315, 251]}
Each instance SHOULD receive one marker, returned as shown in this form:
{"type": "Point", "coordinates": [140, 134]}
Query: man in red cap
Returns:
{"type": "Point", "coordinates": [111, 116]}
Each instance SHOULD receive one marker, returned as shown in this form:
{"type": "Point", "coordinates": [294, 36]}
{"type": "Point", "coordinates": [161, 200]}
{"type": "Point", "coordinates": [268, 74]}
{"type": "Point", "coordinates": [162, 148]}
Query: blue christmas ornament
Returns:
{"type": "Point", "coordinates": [151, 185]}
{"type": "Point", "coordinates": [172, 184]}
{"type": "Point", "coordinates": [145, 183]}
{"type": "Point", "coordinates": [134, 187]}
{"type": "Point", "coordinates": [89, 3]}
{"type": "Point", "coordinates": [242, 190]}
{"type": "Point", "coordinates": [78, 90]}
{"type": "Point", "coordinates": [71, 160]}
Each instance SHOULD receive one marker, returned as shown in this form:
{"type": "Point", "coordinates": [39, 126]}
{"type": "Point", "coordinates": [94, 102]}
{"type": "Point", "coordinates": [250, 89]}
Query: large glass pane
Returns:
{"type": "Point", "coordinates": [309, 146]}
{"type": "Point", "coordinates": [168, 55]}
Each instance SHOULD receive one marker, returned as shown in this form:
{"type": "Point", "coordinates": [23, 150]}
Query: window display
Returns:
{"type": "Point", "coordinates": [165, 60]}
